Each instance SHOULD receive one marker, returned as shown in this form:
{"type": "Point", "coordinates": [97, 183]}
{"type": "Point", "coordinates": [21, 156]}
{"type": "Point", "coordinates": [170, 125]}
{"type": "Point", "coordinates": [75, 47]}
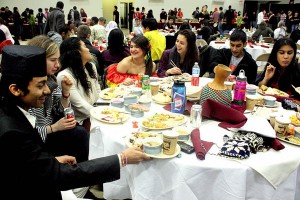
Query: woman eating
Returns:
{"type": "Point", "coordinates": [139, 62]}
{"type": "Point", "coordinates": [184, 55]}
{"type": "Point", "coordinates": [75, 61]}
{"type": "Point", "coordinates": [282, 71]}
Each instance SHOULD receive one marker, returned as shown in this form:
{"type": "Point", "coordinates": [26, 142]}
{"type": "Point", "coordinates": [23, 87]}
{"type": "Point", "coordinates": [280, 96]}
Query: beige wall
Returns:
{"type": "Point", "coordinates": [108, 9]}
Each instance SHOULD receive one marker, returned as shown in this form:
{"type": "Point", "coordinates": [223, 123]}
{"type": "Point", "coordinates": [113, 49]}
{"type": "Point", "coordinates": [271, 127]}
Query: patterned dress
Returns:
{"type": "Point", "coordinates": [222, 96]}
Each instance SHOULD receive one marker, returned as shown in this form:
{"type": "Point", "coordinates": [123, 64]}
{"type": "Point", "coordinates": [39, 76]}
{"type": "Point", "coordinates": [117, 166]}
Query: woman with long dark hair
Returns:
{"type": "Point", "coordinates": [140, 61]}
{"type": "Point", "coordinates": [184, 54]}
{"type": "Point", "coordinates": [75, 60]}
{"type": "Point", "coordinates": [282, 71]}
{"type": "Point", "coordinates": [116, 49]}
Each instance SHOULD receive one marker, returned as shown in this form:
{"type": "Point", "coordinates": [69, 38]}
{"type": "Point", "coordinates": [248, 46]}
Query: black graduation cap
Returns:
{"type": "Point", "coordinates": [23, 61]}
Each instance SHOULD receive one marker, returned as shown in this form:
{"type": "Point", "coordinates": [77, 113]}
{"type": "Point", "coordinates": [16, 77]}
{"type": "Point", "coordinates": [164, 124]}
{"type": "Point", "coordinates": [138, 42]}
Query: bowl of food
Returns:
{"type": "Point", "coordinates": [130, 99]}
{"type": "Point", "coordinates": [117, 102]}
{"type": "Point", "coordinates": [251, 89]}
{"type": "Point", "coordinates": [145, 100]}
{"type": "Point", "coordinates": [152, 145]}
{"type": "Point", "coordinates": [183, 132]}
{"type": "Point", "coordinates": [269, 100]}
{"type": "Point", "coordinates": [136, 91]}
{"type": "Point", "coordinates": [137, 113]}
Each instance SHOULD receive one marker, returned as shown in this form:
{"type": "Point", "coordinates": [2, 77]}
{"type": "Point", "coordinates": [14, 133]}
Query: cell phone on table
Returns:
{"type": "Point", "coordinates": [186, 148]}
{"type": "Point", "coordinates": [101, 104]}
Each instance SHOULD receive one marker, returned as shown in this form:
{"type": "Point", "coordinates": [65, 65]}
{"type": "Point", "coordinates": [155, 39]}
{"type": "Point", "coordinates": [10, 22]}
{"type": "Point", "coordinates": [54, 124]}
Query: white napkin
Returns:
{"type": "Point", "coordinates": [275, 166]}
{"type": "Point", "coordinates": [259, 125]}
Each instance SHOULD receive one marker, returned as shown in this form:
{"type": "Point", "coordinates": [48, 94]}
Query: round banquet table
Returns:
{"type": "Point", "coordinates": [188, 177]}
{"type": "Point", "coordinates": [254, 52]}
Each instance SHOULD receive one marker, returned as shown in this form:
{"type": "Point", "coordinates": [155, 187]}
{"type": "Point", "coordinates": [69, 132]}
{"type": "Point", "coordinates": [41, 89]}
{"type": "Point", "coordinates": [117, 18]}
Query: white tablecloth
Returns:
{"type": "Point", "coordinates": [188, 177]}
{"type": "Point", "coordinates": [254, 52]}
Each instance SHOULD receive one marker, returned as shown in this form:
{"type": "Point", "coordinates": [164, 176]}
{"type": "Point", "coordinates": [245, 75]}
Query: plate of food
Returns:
{"type": "Point", "coordinates": [162, 98]}
{"type": "Point", "coordinates": [291, 139]}
{"type": "Point", "coordinates": [186, 77]}
{"type": "Point", "coordinates": [264, 90]}
{"type": "Point", "coordinates": [109, 114]}
{"type": "Point", "coordinates": [160, 121]}
{"type": "Point", "coordinates": [136, 138]}
{"type": "Point", "coordinates": [295, 119]}
{"type": "Point", "coordinates": [113, 92]}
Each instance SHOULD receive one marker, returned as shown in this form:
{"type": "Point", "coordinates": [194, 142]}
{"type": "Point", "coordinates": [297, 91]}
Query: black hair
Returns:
{"type": "Point", "coordinates": [70, 57]}
{"type": "Point", "coordinates": [116, 41]}
{"type": "Point", "coordinates": [143, 43]}
{"type": "Point", "coordinates": [151, 23]}
{"type": "Point", "coordinates": [74, 7]}
{"type": "Point", "coordinates": [287, 78]}
{"type": "Point", "coordinates": [184, 25]}
{"type": "Point", "coordinates": [221, 8]}
{"type": "Point", "coordinates": [191, 55]}
{"type": "Point", "coordinates": [116, 7]}
{"type": "Point", "coordinates": [22, 83]}
{"type": "Point", "coordinates": [204, 22]}
{"type": "Point", "coordinates": [15, 9]}
{"type": "Point", "coordinates": [59, 4]}
{"type": "Point", "coordinates": [238, 35]}
{"type": "Point", "coordinates": [40, 10]}
{"type": "Point", "coordinates": [64, 29]}
{"type": "Point", "coordinates": [95, 19]}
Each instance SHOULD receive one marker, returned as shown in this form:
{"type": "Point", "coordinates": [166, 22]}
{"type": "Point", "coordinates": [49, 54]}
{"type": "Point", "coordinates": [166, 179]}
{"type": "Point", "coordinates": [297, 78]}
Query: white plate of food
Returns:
{"type": "Point", "coordinates": [264, 90]}
{"type": "Point", "coordinates": [162, 98]}
{"type": "Point", "coordinates": [160, 121]}
{"type": "Point", "coordinates": [109, 114]}
{"type": "Point", "coordinates": [113, 92]}
{"type": "Point", "coordinates": [290, 139]}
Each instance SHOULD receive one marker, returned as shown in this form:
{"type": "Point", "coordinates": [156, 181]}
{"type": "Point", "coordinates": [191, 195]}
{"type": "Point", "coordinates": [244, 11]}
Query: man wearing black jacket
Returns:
{"type": "Point", "coordinates": [26, 165]}
{"type": "Point", "coordinates": [236, 57]}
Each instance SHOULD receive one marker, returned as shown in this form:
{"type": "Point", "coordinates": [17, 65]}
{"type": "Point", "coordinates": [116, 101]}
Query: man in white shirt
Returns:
{"type": "Point", "coordinates": [260, 16]}
{"type": "Point", "coordinates": [98, 31]}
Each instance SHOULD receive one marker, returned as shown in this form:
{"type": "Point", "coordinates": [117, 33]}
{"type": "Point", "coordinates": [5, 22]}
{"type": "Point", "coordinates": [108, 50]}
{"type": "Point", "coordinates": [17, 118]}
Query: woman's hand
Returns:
{"type": "Point", "coordinates": [135, 155]}
{"type": "Point", "coordinates": [66, 159]}
{"type": "Point", "coordinates": [270, 72]}
{"type": "Point", "coordinates": [173, 71]}
{"type": "Point", "coordinates": [128, 81]}
{"type": "Point", "coordinates": [66, 84]}
{"type": "Point", "coordinates": [64, 124]}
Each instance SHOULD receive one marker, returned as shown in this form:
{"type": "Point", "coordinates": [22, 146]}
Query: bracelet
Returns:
{"type": "Point", "coordinates": [123, 159]}
{"type": "Point", "coordinates": [65, 96]}
{"type": "Point", "coordinates": [51, 129]}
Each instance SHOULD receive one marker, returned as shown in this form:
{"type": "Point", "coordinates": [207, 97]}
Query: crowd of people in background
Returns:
{"type": "Point", "coordinates": [77, 69]}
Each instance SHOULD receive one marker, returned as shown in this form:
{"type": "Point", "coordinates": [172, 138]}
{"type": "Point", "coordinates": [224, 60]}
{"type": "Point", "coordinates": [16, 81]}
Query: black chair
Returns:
{"type": "Point", "coordinates": [170, 41]}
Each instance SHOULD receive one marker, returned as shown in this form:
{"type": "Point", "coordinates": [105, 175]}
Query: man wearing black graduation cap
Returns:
{"type": "Point", "coordinates": [25, 164]}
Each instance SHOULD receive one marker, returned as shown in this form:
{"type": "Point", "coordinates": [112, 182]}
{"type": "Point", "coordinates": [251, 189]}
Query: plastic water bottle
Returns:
{"type": "Point", "coordinates": [261, 38]}
{"type": "Point", "coordinates": [240, 92]}
{"type": "Point", "coordinates": [195, 75]}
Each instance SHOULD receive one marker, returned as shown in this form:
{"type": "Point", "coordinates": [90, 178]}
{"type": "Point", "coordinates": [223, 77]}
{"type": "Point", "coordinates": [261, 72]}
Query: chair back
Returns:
{"type": "Point", "coordinates": [261, 62]}
{"type": "Point", "coordinates": [298, 46]}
